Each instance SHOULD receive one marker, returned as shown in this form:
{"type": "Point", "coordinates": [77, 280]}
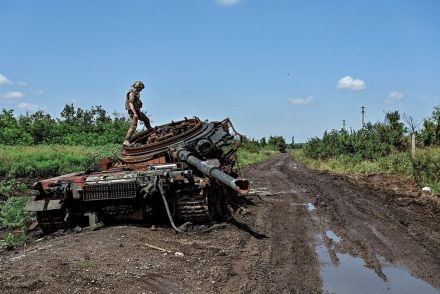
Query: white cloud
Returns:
{"type": "Point", "coordinates": [348, 83]}
{"type": "Point", "coordinates": [22, 84]}
{"type": "Point", "coordinates": [30, 107]}
{"type": "Point", "coordinates": [13, 95]}
{"type": "Point", "coordinates": [301, 101]}
{"type": "Point", "coordinates": [228, 2]}
{"type": "Point", "coordinates": [4, 80]}
{"type": "Point", "coordinates": [393, 97]}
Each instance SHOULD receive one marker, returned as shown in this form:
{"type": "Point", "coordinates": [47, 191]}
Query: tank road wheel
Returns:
{"type": "Point", "coordinates": [192, 208]}
{"type": "Point", "coordinates": [51, 220]}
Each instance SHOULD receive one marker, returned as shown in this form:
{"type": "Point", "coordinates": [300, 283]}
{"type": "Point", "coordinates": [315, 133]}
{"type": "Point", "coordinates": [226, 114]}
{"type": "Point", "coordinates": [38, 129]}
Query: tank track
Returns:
{"type": "Point", "coordinates": [193, 209]}
{"type": "Point", "coordinates": [118, 210]}
{"type": "Point", "coordinates": [51, 220]}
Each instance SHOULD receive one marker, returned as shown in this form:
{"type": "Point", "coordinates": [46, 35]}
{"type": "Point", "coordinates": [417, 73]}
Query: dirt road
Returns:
{"type": "Point", "coordinates": [319, 233]}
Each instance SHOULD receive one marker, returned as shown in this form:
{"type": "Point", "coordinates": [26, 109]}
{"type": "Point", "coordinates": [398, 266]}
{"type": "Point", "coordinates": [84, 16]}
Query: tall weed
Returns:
{"type": "Point", "coordinates": [51, 160]}
{"type": "Point", "coordinates": [12, 214]}
{"type": "Point", "coordinates": [426, 168]}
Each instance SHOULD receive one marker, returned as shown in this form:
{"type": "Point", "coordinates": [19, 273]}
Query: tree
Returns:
{"type": "Point", "coordinates": [430, 133]}
{"type": "Point", "coordinates": [278, 142]}
{"type": "Point", "coordinates": [413, 125]}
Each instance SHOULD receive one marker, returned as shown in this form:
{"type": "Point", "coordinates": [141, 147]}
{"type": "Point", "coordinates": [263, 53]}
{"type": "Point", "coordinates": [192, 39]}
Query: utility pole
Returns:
{"type": "Point", "coordinates": [363, 116]}
{"type": "Point", "coordinates": [343, 124]}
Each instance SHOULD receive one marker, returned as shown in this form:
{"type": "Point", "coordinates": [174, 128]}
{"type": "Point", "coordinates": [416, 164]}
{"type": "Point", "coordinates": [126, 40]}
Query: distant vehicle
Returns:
{"type": "Point", "coordinates": [282, 147]}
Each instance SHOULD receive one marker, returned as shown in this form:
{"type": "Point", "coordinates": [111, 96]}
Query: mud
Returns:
{"type": "Point", "coordinates": [300, 240]}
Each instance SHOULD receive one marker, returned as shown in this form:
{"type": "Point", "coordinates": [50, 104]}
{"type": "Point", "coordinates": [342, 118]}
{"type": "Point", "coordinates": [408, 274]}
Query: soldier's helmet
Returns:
{"type": "Point", "coordinates": [138, 85]}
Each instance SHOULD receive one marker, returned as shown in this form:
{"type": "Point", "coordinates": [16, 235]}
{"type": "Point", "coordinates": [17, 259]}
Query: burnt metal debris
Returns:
{"type": "Point", "coordinates": [182, 171]}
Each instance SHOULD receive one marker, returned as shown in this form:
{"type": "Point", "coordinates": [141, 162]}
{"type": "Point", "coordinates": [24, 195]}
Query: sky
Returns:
{"type": "Point", "coordinates": [275, 67]}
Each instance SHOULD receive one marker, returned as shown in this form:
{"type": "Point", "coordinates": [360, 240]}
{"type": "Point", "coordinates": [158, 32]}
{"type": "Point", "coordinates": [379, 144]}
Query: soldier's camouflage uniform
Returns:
{"type": "Point", "coordinates": [134, 97]}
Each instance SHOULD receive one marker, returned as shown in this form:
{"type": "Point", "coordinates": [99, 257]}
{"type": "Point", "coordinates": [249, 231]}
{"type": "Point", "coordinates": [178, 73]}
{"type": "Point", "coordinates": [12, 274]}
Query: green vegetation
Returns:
{"type": "Point", "coordinates": [51, 160]}
{"type": "Point", "coordinates": [12, 214]}
{"type": "Point", "coordinates": [13, 239]}
{"type": "Point", "coordinates": [426, 168]}
{"type": "Point", "coordinates": [254, 151]}
{"type": "Point", "coordinates": [370, 142]}
{"type": "Point", "coordinates": [75, 126]}
{"type": "Point", "coordinates": [379, 148]}
{"type": "Point", "coordinates": [11, 188]}
{"type": "Point", "coordinates": [246, 157]}
{"type": "Point", "coordinates": [13, 219]}
{"type": "Point", "coordinates": [394, 163]}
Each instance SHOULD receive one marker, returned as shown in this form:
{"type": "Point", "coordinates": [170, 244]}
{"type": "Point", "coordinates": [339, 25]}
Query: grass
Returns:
{"type": "Point", "coordinates": [13, 218]}
{"type": "Point", "coordinates": [50, 160]}
{"type": "Point", "coordinates": [13, 239]}
{"type": "Point", "coordinates": [247, 157]}
{"type": "Point", "coordinates": [425, 168]}
{"type": "Point", "coordinates": [11, 188]}
{"type": "Point", "coordinates": [12, 215]}
{"type": "Point", "coordinates": [395, 163]}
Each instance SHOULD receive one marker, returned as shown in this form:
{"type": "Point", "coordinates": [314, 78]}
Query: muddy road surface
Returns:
{"type": "Point", "coordinates": [317, 233]}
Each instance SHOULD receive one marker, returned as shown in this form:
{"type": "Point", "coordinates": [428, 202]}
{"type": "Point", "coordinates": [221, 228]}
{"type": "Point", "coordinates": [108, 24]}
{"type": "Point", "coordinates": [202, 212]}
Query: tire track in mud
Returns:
{"type": "Point", "coordinates": [376, 224]}
{"type": "Point", "coordinates": [285, 262]}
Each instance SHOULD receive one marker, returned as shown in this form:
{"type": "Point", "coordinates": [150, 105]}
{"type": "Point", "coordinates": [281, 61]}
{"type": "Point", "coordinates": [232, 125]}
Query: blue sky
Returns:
{"type": "Point", "coordinates": [275, 67]}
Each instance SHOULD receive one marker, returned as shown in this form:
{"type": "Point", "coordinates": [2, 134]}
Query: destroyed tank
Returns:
{"type": "Point", "coordinates": [182, 171]}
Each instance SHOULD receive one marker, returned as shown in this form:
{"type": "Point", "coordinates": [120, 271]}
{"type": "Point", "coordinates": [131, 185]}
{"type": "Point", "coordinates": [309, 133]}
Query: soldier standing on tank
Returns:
{"type": "Point", "coordinates": [133, 105]}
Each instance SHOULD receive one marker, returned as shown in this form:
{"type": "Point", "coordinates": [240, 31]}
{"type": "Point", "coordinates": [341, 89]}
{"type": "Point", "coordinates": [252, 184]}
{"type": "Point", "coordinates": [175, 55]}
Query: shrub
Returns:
{"type": "Point", "coordinates": [11, 240]}
{"type": "Point", "coordinates": [426, 167]}
{"type": "Point", "coordinates": [12, 214]}
{"type": "Point", "coordinates": [371, 142]}
{"type": "Point", "coordinates": [76, 126]}
{"type": "Point", "coordinates": [10, 188]}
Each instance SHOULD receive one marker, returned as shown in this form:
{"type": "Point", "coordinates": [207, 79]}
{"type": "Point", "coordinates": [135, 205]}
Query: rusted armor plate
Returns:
{"type": "Point", "coordinates": [42, 205]}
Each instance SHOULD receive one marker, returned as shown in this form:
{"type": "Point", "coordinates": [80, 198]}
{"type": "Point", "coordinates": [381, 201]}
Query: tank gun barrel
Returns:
{"type": "Point", "coordinates": [239, 185]}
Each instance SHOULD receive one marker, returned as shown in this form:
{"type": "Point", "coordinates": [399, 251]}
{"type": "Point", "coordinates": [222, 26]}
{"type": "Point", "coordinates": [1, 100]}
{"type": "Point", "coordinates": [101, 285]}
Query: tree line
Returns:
{"type": "Point", "coordinates": [273, 142]}
{"type": "Point", "coordinates": [375, 140]}
{"type": "Point", "coordinates": [75, 126]}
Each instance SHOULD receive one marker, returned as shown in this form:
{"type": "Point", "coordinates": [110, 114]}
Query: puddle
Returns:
{"type": "Point", "coordinates": [331, 235]}
{"type": "Point", "coordinates": [310, 206]}
{"type": "Point", "coordinates": [350, 275]}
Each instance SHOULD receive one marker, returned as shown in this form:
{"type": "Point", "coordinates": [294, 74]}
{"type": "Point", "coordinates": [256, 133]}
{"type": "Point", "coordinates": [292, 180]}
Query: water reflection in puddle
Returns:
{"type": "Point", "coordinates": [351, 276]}
{"type": "Point", "coordinates": [331, 235]}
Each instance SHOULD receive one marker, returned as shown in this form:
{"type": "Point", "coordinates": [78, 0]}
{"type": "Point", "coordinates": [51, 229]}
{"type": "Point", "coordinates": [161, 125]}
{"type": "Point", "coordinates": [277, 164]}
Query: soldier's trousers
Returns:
{"type": "Point", "coordinates": [134, 122]}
